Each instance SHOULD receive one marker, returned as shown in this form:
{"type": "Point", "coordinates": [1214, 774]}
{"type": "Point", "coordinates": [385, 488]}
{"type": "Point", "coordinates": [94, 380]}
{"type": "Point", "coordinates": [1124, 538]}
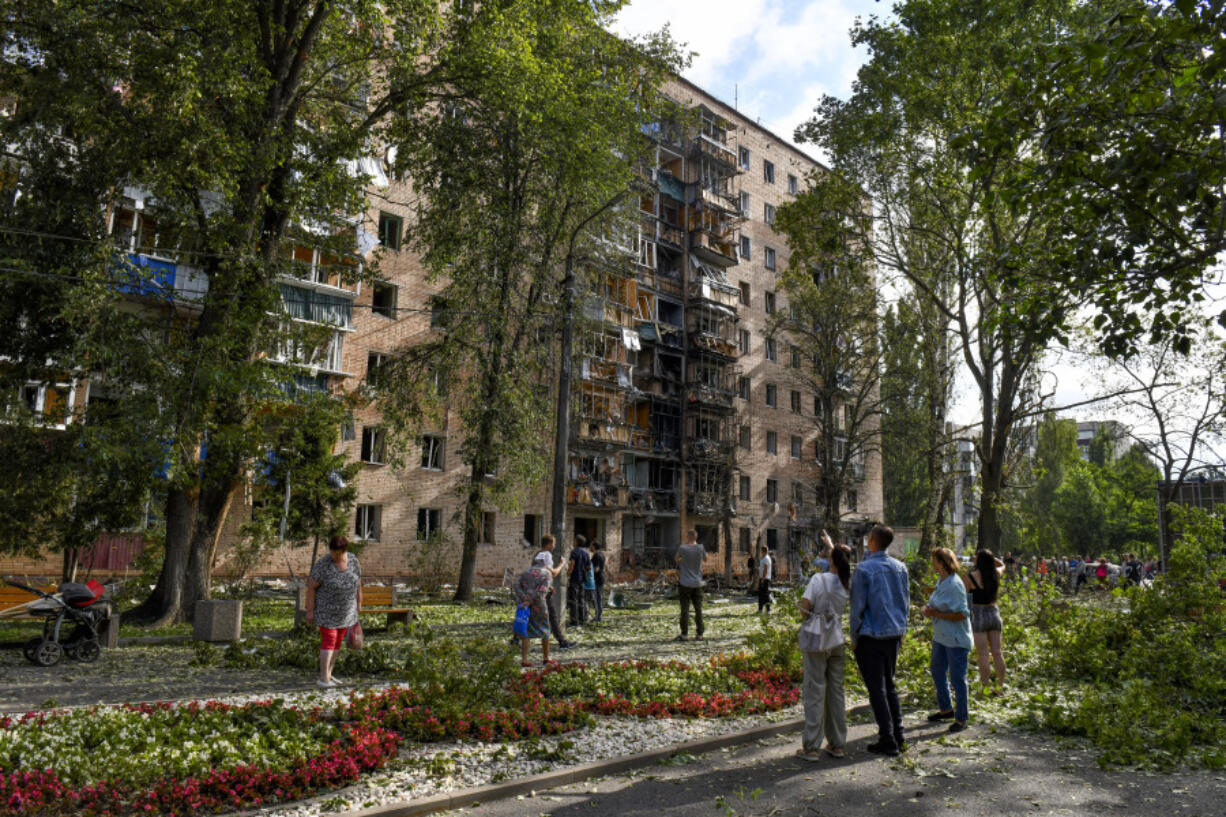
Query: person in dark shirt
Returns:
{"type": "Point", "coordinates": [580, 564]}
{"type": "Point", "coordinates": [598, 564]}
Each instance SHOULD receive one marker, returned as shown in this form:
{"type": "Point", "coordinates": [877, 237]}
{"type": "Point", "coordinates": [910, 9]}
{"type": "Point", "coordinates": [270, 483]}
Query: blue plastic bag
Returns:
{"type": "Point", "coordinates": [520, 625]}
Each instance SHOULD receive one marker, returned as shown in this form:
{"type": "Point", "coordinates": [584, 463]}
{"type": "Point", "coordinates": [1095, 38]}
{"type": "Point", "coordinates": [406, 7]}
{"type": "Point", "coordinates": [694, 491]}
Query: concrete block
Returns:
{"type": "Point", "coordinates": [215, 620]}
{"type": "Point", "coordinates": [300, 606]}
{"type": "Point", "coordinates": [108, 632]}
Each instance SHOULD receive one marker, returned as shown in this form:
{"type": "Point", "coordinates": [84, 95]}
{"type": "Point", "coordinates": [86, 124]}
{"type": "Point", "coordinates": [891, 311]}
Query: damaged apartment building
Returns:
{"type": "Point", "coordinates": [683, 412]}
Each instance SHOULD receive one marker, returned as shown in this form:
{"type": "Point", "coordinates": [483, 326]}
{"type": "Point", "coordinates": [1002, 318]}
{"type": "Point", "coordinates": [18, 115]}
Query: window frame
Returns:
{"type": "Point", "coordinates": [384, 311]}
{"type": "Point", "coordinates": [363, 529]}
{"type": "Point", "coordinates": [376, 445]}
{"type": "Point", "coordinates": [430, 445]}
{"type": "Point", "coordinates": [390, 218]}
{"type": "Point", "coordinates": [433, 522]}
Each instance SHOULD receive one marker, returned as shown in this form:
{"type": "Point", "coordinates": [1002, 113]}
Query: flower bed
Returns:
{"type": "Point", "coordinates": [405, 711]}
{"type": "Point", "coordinates": [652, 689]}
{"type": "Point", "coordinates": [179, 759]}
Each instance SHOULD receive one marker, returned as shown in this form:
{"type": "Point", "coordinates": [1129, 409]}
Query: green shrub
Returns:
{"type": "Point", "coordinates": [1142, 672]}
{"type": "Point", "coordinates": [465, 672]}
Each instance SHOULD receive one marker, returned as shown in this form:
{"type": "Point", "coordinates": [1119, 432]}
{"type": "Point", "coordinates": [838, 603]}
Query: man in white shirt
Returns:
{"type": "Point", "coordinates": [766, 572]}
{"type": "Point", "coordinates": [546, 557]}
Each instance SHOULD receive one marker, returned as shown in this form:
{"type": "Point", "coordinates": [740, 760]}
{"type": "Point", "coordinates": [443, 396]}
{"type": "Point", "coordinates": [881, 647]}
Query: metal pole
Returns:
{"type": "Point", "coordinates": [285, 507]}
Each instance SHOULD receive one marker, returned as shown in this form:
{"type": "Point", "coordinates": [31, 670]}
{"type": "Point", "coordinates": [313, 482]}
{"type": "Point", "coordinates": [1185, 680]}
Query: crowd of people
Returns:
{"type": "Point", "coordinates": [1079, 572]}
{"type": "Point", "coordinates": [876, 597]}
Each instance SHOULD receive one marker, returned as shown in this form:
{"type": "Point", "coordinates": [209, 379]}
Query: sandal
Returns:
{"type": "Point", "coordinates": [812, 757]}
{"type": "Point", "coordinates": [836, 752]}
{"type": "Point", "coordinates": [526, 664]}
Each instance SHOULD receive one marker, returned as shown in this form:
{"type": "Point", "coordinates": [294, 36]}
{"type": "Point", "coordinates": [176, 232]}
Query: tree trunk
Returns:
{"type": "Point", "coordinates": [68, 571]}
{"type": "Point", "coordinates": [989, 506]}
{"type": "Point", "coordinates": [164, 603]}
{"type": "Point", "coordinates": [727, 550]}
{"type": "Point", "coordinates": [210, 517]}
{"type": "Point", "coordinates": [472, 516]}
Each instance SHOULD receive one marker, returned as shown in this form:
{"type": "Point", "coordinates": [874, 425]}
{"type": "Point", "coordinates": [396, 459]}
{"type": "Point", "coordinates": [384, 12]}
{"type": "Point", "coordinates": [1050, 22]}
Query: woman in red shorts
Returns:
{"type": "Point", "coordinates": [334, 596]}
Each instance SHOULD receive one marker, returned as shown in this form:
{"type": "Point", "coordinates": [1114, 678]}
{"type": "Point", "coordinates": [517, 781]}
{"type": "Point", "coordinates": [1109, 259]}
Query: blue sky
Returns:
{"type": "Point", "coordinates": [775, 57]}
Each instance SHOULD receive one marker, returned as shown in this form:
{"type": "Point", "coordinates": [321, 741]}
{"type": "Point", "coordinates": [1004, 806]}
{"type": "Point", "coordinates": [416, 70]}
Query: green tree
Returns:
{"type": "Point", "coordinates": [303, 461]}
{"type": "Point", "coordinates": [833, 320]}
{"type": "Point", "coordinates": [540, 133]}
{"type": "Point", "coordinates": [1102, 447]}
{"type": "Point", "coordinates": [1130, 483]}
{"type": "Point", "coordinates": [1175, 402]}
{"type": "Point", "coordinates": [1079, 510]}
{"type": "Point", "coordinates": [941, 219]}
{"type": "Point", "coordinates": [1121, 114]}
{"type": "Point", "coordinates": [236, 119]}
{"type": "Point", "coordinates": [904, 479]}
{"type": "Point", "coordinates": [917, 450]}
{"type": "Point", "coordinates": [1056, 456]}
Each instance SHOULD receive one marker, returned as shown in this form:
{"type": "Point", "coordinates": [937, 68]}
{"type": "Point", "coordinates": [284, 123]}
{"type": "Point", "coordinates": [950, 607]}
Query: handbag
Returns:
{"type": "Point", "coordinates": [822, 629]}
{"type": "Point", "coordinates": [520, 624]}
{"type": "Point", "coordinates": [354, 638]}
{"type": "Point", "coordinates": [589, 581]}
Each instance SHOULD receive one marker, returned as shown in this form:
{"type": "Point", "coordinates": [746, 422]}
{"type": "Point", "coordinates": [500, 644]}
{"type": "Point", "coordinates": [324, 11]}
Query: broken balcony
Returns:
{"type": "Point", "coordinates": [595, 481]}
{"type": "Point", "coordinates": [600, 415]}
{"type": "Point", "coordinates": [708, 490]}
{"type": "Point", "coordinates": [708, 435]}
{"type": "Point", "coordinates": [710, 330]}
{"type": "Point", "coordinates": [711, 284]}
{"type": "Point", "coordinates": [710, 384]}
{"type": "Point", "coordinates": [713, 236]}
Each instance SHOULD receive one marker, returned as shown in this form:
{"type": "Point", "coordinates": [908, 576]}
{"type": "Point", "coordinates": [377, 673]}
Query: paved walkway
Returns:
{"type": "Point", "coordinates": [980, 772]}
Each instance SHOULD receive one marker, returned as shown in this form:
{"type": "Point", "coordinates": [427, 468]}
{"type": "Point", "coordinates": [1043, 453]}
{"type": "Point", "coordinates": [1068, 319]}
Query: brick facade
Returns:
{"type": "Point", "coordinates": [401, 494]}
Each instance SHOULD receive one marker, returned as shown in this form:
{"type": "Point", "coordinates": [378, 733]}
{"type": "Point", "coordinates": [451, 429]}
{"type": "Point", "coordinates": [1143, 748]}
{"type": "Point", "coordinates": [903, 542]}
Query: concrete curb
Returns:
{"type": "Point", "coordinates": [578, 774]}
{"type": "Point", "coordinates": [574, 774]}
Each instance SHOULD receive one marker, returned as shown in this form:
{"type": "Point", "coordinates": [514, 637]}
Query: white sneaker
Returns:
{"type": "Point", "coordinates": [337, 682]}
{"type": "Point", "coordinates": [325, 684]}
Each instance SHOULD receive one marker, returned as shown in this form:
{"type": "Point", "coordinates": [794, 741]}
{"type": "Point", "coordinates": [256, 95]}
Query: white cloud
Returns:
{"type": "Point", "coordinates": [774, 58]}
{"type": "Point", "coordinates": [716, 29]}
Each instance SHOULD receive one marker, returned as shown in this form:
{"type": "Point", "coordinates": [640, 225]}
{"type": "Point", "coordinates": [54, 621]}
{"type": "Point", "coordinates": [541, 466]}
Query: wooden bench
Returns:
{"type": "Point", "coordinates": [377, 599]}
{"type": "Point", "coordinates": [13, 601]}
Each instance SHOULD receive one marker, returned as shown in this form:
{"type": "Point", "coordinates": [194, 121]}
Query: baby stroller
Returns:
{"type": "Point", "coordinates": [81, 605]}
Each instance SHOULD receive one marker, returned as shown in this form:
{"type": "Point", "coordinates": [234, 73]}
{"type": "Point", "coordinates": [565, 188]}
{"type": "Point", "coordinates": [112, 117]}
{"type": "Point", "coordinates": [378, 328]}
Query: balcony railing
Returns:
{"type": "Point", "coordinates": [596, 495]}
{"type": "Point", "coordinates": [706, 449]}
{"type": "Point", "coordinates": [704, 145]}
{"type": "Point", "coordinates": [717, 292]}
{"type": "Point", "coordinates": [720, 201]}
{"type": "Point", "coordinates": [700, 341]}
{"type": "Point", "coordinates": [652, 500]}
{"type": "Point", "coordinates": [673, 236]}
{"type": "Point", "coordinates": [162, 279]}
{"type": "Point", "coordinates": [714, 248]}
{"type": "Point", "coordinates": [709, 395]}
{"type": "Point", "coordinates": [708, 503]}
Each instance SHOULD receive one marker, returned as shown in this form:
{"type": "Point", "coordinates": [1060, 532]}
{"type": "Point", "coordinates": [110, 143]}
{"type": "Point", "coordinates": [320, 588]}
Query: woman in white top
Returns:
{"type": "Point", "coordinates": [821, 643]}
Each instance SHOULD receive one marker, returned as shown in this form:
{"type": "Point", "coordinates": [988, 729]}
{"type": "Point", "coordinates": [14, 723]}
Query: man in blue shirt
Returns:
{"type": "Point", "coordinates": [880, 600]}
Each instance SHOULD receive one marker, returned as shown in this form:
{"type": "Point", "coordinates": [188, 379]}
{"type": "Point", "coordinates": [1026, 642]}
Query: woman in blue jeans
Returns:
{"type": "Point", "coordinates": [951, 639]}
